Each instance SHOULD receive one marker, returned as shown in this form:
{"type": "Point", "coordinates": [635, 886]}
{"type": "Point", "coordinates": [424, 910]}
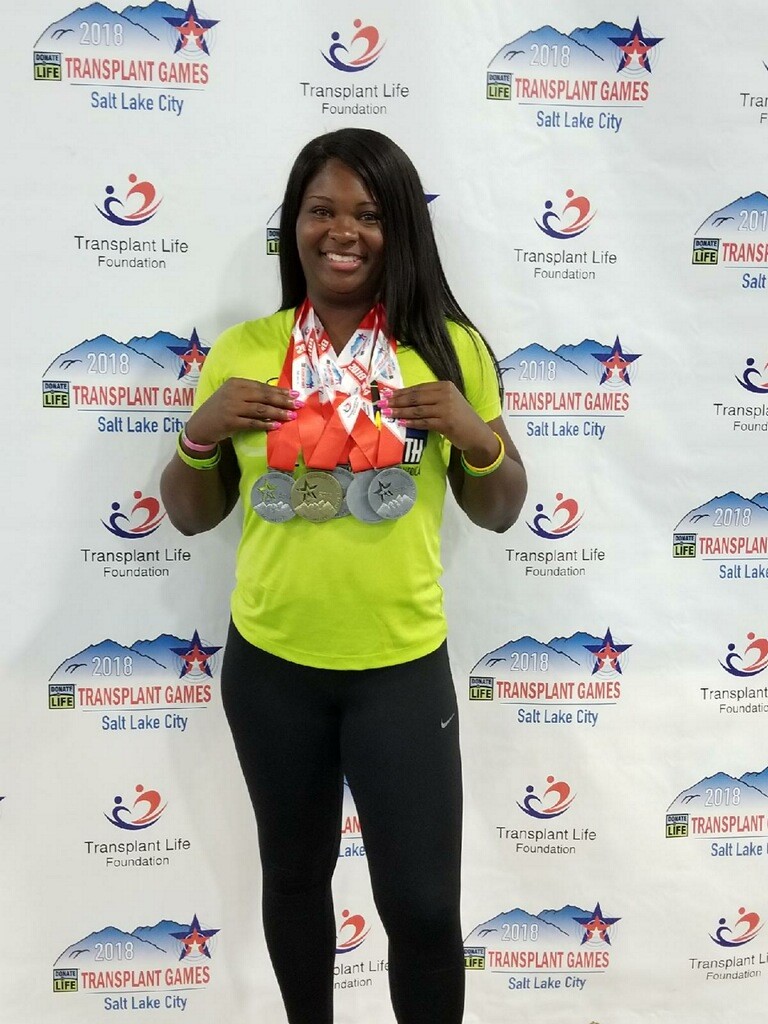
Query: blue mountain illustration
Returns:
{"type": "Point", "coordinates": [500, 659]}
{"type": "Point", "coordinates": [761, 498]}
{"type": "Point", "coordinates": [693, 799]}
{"type": "Point", "coordinates": [703, 517]}
{"type": "Point", "coordinates": [156, 348]}
{"type": "Point", "coordinates": [757, 779]}
{"type": "Point", "coordinates": [583, 354]}
{"type": "Point", "coordinates": [66, 33]}
{"type": "Point", "coordinates": [567, 371]}
{"type": "Point", "coordinates": [727, 221]}
{"type": "Point", "coordinates": [84, 951]}
{"type": "Point", "coordinates": [516, 56]}
{"type": "Point", "coordinates": [74, 364]}
{"type": "Point", "coordinates": [573, 647]}
{"type": "Point", "coordinates": [160, 650]}
{"type": "Point", "coordinates": [564, 919]}
{"type": "Point", "coordinates": [600, 38]}
{"type": "Point", "coordinates": [160, 935]}
{"type": "Point", "coordinates": [553, 928]}
{"type": "Point", "coordinates": [81, 665]}
{"type": "Point", "coordinates": [152, 18]}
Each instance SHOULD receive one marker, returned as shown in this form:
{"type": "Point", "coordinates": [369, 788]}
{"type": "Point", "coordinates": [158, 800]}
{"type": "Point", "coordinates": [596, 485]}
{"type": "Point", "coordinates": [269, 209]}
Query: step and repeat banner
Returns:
{"type": "Point", "coordinates": [596, 178]}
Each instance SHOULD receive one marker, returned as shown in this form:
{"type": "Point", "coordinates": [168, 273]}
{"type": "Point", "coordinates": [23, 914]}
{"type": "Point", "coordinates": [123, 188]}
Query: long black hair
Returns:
{"type": "Point", "coordinates": [415, 292]}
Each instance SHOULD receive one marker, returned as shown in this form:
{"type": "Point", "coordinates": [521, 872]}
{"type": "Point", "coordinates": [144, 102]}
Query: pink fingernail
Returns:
{"type": "Point", "coordinates": [292, 415]}
{"type": "Point", "coordinates": [299, 405]}
{"type": "Point", "coordinates": [275, 426]}
{"type": "Point", "coordinates": [294, 394]}
{"type": "Point", "coordinates": [402, 422]}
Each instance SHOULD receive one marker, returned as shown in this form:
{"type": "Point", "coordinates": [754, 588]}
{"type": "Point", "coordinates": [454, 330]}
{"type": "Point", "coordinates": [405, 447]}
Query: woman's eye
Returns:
{"type": "Point", "coordinates": [370, 218]}
{"type": "Point", "coordinates": [320, 211]}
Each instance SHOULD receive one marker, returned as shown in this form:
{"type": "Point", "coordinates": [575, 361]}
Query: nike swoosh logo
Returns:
{"type": "Point", "coordinates": [444, 724]}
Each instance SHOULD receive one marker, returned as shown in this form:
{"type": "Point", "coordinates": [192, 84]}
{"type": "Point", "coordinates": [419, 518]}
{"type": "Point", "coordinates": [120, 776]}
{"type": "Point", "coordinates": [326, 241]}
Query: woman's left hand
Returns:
{"type": "Point", "coordinates": [438, 405]}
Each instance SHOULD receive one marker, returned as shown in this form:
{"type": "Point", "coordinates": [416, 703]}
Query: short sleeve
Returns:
{"type": "Point", "coordinates": [214, 371]}
{"type": "Point", "coordinates": [480, 380]}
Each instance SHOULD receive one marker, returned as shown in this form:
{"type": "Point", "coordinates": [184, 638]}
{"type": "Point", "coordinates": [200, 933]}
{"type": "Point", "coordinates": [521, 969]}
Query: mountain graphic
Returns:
{"type": "Point", "coordinates": [759, 780]}
{"type": "Point", "coordinates": [565, 654]}
{"type": "Point", "coordinates": [726, 222]}
{"type": "Point", "coordinates": [567, 371]}
{"type": "Point", "coordinates": [555, 927]}
{"type": "Point", "coordinates": [66, 33]}
{"type": "Point", "coordinates": [752, 799]}
{"type": "Point", "coordinates": [705, 516]}
{"type": "Point", "coordinates": [152, 18]}
{"type": "Point", "coordinates": [157, 348]}
{"type": "Point", "coordinates": [599, 39]}
{"type": "Point", "coordinates": [74, 364]}
{"type": "Point", "coordinates": [87, 949]}
{"type": "Point", "coordinates": [516, 56]}
{"type": "Point", "coordinates": [150, 659]}
{"type": "Point", "coordinates": [81, 665]}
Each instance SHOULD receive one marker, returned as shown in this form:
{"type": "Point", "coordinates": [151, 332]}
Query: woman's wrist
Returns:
{"type": "Point", "coordinates": [485, 452]}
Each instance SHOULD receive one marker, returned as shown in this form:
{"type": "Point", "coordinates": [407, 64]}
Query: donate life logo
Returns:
{"type": "Point", "coordinates": [144, 812]}
{"type": "Point", "coordinates": [363, 51]}
{"type": "Point", "coordinates": [148, 518]}
{"type": "Point", "coordinates": [583, 81]}
{"type": "Point", "coordinates": [555, 800]}
{"type": "Point", "coordinates": [139, 204]}
{"type": "Point", "coordinates": [744, 930]}
{"type": "Point", "coordinates": [573, 220]}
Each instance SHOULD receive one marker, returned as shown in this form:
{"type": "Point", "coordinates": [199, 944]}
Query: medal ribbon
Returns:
{"type": "Point", "coordinates": [338, 422]}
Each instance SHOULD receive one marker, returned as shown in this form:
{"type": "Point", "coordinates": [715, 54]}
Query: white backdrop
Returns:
{"type": "Point", "coordinates": [603, 216]}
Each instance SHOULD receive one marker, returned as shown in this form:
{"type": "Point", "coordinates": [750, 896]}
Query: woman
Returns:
{"type": "Point", "coordinates": [336, 660]}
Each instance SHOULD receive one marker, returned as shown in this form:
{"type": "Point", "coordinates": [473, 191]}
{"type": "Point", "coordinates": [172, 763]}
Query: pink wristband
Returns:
{"type": "Point", "coordinates": [197, 447]}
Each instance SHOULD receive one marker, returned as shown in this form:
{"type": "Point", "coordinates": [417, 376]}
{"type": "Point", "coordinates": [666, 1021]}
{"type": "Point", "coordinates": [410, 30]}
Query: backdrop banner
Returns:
{"type": "Point", "coordinates": [594, 175]}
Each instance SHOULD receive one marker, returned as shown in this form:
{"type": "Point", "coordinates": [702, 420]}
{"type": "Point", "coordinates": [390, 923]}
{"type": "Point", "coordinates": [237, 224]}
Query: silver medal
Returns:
{"type": "Point", "coordinates": [345, 478]}
{"type": "Point", "coordinates": [392, 493]}
{"type": "Point", "coordinates": [271, 497]}
{"type": "Point", "coordinates": [357, 497]}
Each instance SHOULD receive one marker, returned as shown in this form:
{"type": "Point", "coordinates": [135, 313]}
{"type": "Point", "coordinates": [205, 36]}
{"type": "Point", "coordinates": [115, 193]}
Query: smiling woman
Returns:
{"type": "Point", "coordinates": [336, 663]}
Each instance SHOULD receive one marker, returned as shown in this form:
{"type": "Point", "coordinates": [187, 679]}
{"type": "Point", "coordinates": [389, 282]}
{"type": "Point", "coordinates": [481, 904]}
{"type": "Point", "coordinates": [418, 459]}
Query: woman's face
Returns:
{"type": "Point", "coordinates": [340, 238]}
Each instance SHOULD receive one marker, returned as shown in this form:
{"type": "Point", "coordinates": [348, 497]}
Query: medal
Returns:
{"type": "Point", "coordinates": [345, 478]}
{"type": "Point", "coordinates": [358, 500]}
{"type": "Point", "coordinates": [316, 497]}
{"type": "Point", "coordinates": [271, 497]}
{"type": "Point", "coordinates": [392, 493]}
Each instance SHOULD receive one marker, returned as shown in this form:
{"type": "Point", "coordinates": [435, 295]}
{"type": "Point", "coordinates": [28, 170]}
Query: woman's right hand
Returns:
{"type": "Point", "coordinates": [241, 404]}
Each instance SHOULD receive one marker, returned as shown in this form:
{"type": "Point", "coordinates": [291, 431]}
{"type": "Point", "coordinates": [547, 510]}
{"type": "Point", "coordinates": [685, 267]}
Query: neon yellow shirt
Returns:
{"type": "Point", "coordinates": [342, 594]}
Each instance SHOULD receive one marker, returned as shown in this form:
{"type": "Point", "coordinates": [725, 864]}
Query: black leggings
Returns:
{"type": "Point", "coordinates": [393, 732]}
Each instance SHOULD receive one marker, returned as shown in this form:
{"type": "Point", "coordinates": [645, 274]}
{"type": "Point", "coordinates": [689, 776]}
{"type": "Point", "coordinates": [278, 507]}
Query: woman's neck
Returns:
{"type": "Point", "coordinates": [340, 321]}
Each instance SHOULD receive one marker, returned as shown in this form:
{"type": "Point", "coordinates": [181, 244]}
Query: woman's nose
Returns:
{"type": "Point", "coordinates": [343, 227]}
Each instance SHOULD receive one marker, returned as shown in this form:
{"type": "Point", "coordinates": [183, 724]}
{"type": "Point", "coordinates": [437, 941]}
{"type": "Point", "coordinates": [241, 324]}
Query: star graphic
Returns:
{"type": "Point", "coordinates": [192, 356]}
{"type": "Point", "coordinates": [596, 926]}
{"type": "Point", "coordinates": [384, 489]}
{"type": "Point", "coordinates": [195, 939]}
{"type": "Point", "coordinates": [616, 363]}
{"type": "Point", "coordinates": [635, 49]}
{"type": "Point", "coordinates": [308, 491]}
{"type": "Point", "coordinates": [191, 27]}
{"type": "Point", "coordinates": [268, 491]}
{"type": "Point", "coordinates": [195, 656]}
{"type": "Point", "coordinates": [607, 653]}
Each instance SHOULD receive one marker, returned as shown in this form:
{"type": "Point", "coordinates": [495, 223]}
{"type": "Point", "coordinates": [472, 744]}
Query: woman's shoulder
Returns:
{"type": "Point", "coordinates": [275, 327]}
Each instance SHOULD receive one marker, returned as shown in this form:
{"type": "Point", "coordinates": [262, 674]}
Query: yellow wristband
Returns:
{"type": "Point", "coordinates": [209, 463]}
{"type": "Point", "coordinates": [485, 470]}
